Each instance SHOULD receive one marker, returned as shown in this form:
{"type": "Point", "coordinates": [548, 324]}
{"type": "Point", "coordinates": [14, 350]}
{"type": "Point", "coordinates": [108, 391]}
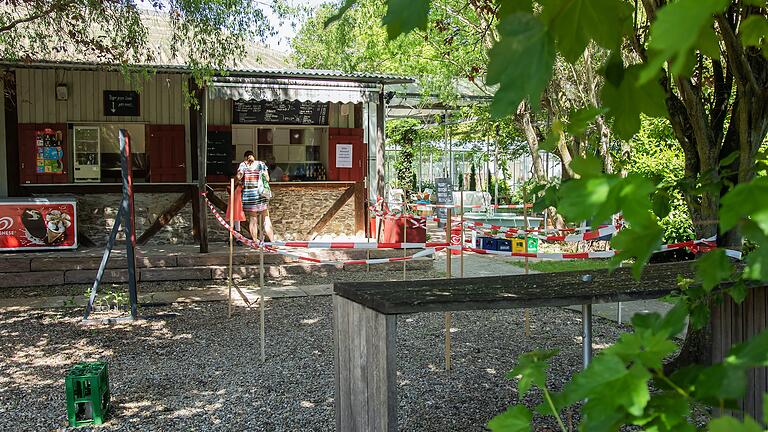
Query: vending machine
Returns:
{"type": "Point", "coordinates": [87, 154]}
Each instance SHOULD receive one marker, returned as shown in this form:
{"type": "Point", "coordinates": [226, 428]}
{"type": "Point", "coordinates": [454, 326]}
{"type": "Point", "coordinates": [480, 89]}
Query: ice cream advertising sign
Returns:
{"type": "Point", "coordinates": [37, 226]}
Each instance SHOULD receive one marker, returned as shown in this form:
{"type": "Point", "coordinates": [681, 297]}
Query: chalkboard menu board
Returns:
{"type": "Point", "coordinates": [219, 155]}
{"type": "Point", "coordinates": [444, 194]}
{"type": "Point", "coordinates": [279, 112]}
{"type": "Point", "coordinates": [121, 103]}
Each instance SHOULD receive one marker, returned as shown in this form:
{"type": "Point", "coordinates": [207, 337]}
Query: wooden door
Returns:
{"type": "Point", "coordinates": [166, 151]}
{"type": "Point", "coordinates": [353, 136]}
{"type": "Point", "coordinates": [28, 173]}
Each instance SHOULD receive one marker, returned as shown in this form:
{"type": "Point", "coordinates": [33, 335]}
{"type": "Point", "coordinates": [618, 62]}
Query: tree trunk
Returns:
{"type": "Point", "coordinates": [523, 118]}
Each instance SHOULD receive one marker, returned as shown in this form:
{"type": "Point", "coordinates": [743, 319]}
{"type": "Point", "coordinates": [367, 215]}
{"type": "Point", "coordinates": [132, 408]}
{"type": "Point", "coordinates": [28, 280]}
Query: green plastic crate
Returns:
{"type": "Point", "coordinates": [533, 244]}
{"type": "Point", "coordinates": [87, 386]}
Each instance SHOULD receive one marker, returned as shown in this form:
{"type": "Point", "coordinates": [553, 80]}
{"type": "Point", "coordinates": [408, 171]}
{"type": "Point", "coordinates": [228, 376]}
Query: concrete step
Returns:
{"type": "Point", "coordinates": [43, 270]}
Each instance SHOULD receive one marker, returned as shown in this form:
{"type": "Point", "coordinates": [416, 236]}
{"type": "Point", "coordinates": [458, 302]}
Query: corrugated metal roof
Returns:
{"type": "Point", "coordinates": [257, 61]}
{"type": "Point", "coordinates": [315, 74]}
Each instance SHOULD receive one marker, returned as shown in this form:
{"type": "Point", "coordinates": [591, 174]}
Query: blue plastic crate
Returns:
{"type": "Point", "coordinates": [488, 243]}
{"type": "Point", "coordinates": [503, 245]}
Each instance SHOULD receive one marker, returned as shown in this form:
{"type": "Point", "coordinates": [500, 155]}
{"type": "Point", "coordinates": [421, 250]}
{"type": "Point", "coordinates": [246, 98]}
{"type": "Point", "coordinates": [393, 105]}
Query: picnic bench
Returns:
{"type": "Point", "coordinates": [365, 323]}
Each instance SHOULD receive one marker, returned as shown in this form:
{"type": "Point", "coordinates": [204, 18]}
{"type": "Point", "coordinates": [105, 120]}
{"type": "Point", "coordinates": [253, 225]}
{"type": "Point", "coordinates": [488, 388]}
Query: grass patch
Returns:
{"type": "Point", "coordinates": [562, 266]}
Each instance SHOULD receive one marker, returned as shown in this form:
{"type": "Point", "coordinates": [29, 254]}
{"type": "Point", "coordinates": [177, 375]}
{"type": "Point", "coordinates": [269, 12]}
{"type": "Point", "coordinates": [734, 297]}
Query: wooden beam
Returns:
{"type": "Point", "coordinates": [332, 212]}
{"type": "Point", "coordinates": [215, 200]}
{"type": "Point", "coordinates": [202, 149]}
{"type": "Point", "coordinates": [360, 208]}
{"type": "Point", "coordinates": [165, 218]}
{"type": "Point", "coordinates": [196, 217]}
{"type": "Point", "coordinates": [84, 240]}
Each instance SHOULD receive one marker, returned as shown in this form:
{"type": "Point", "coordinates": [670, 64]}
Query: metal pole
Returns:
{"type": "Point", "coordinates": [448, 317]}
{"type": "Point", "coordinates": [525, 222]}
{"type": "Point", "coordinates": [586, 323]}
{"type": "Point", "coordinates": [262, 304]}
{"type": "Point", "coordinates": [445, 138]}
{"type": "Point", "coordinates": [104, 259]}
{"type": "Point", "coordinates": [231, 243]}
{"type": "Point", "coordinates": [461, 241]}
{"type": "Point", "coordinates": [405, 240]}
{"type": "Point", "coordinates": [130, 217]}
{"type": "Point", "coordinates": [496, 169]}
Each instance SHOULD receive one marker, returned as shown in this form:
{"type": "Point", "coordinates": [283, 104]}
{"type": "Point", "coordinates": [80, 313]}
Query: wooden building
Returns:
{"type": "Point", "coordinates": [324, 129]}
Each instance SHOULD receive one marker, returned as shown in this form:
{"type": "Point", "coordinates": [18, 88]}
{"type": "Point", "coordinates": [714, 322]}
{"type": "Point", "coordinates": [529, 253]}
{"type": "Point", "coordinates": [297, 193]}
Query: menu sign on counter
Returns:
{"type": "Point", "coordinates": [37, 224]}
{"type": "Point", "coordinates": [219, 153]}
{"type": "Point", "coordinates": [279, 112]}
{"type": "Point", "coordinates": [444, 194]}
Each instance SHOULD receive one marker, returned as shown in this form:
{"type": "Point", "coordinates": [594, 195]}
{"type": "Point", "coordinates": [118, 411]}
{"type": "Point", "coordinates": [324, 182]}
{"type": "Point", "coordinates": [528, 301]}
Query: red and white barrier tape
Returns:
{"type": "Point", "coordinates": [703, 245]}
{"type": "Point", "coordinates": [352, 245]}
{"type": "Point", "coordinates": [420, 254]}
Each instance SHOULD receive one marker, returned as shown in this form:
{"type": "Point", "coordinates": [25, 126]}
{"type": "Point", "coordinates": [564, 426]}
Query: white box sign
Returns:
{"type": "Point", "coordinates": [343, 155]}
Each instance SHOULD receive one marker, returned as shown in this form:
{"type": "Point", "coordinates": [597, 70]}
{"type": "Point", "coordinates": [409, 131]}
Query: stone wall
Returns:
{"type": "Point", "coordinates": [294, 211]}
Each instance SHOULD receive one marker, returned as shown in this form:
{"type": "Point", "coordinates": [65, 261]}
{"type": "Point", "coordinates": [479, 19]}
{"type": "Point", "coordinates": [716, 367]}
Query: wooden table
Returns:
{"type": "Point", "coordinates": [365, 323]}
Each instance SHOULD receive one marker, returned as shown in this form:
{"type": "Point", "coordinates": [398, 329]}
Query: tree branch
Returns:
{"type": "Point", "coordinates": [58, 6]}
{"type": "Point", "coordinates": [736, 55]}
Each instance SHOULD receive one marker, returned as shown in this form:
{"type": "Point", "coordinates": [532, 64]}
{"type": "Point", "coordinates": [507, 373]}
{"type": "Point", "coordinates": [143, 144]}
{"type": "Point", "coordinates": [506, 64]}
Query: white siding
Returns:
{"type": "Point", "coordinates": [161, 97]}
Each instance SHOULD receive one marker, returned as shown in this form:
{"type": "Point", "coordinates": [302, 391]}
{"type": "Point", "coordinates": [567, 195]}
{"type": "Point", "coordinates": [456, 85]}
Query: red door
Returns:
{"type": "Point", "coordinates": [28, 154]}
{"type": "Point", "coordinates": [166, 151]}
{"type": "Point", "coordinates": [346, 137]}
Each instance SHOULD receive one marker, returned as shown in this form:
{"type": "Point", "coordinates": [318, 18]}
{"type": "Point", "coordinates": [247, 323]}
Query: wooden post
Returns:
{"type": "Point", "coordinates": [231, 243]}
{"type": "Point", "coordinates": [461, 242]}
{"type": "Point", "coordinates": [366, 367]}
{"type": "Point", "coordinates": [202, 149]}
{"type": "Point", "coordinates": [448, 317]}
{"type": "Point", "coordinates": [262, 304]}
{"type": "Point", "coordinates": [405, 240]}
{"type": "Point", "coordinates": [525, 222]}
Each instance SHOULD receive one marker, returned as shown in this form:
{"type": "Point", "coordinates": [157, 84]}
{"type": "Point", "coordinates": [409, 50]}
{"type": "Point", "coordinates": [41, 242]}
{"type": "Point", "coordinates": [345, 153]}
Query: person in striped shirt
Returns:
{"type": "Point", "coordinates": [249, 175]}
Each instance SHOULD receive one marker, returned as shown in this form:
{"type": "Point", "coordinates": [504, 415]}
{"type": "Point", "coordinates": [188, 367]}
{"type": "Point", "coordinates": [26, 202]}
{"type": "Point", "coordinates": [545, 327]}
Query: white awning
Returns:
{"type": "Point", "coordinates": [292, 89]}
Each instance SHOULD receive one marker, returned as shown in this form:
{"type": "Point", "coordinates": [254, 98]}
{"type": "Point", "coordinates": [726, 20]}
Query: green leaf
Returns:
{"type": "Point", "coordinates": [532, 369]}
{"type": "Point", "coordinates": [604, 369]}
{"type": "Point", "coordinates": [712, 268]}
{"type": "Point", "coordinates": [508, 7]}
{"type": "Point", "coordinates": [643, 347]}
{"type": "Point", "coordinates": [579, 120]}
{"type": "Point", "coordinates": [749, 354]}
{"type": "Point", "coordinates": [666, 411]}
{"type": "Point", "coordinates": [637, 244]}
{"type": "Point", "coordinates": [629, 99]}
{"type": "Point", "coordinates": [579, 199]}
{"type": "Point", "coordinates": [676, 32]}
{"type": "Point", "coordinates": [587, 167]}
{"type": "Point", "coordinates": [738, 291]}
{"type": "Point", "coordinates": [520, 63]}
{"type": "Point", "coordinates": [740, 202]}
{"type": "Point", "coordinates": [574, 23]}
{"type": "Point", "coordinates": [405, 15]}
{"type": "Point", "coordinates": [515, 419]}
{"type": "Point", "coordinates": [721, 382]}
{"type": "Point", "coordinates": [753, 30]}
{"type": "Point", "coordinates": [340, 12]}
{"type": "Point", "coordinates": [724, 162]}
{"type": "Point", "coordinates": [614, 68]}
{"type": "Point", "coordinates": [765, 408]}
{"type": "Point", "coordinates": [553, 138]}
{"type": "Point", "coordinates": [661, 203]}
{"type": "Point", "coordinates": [730, 424]}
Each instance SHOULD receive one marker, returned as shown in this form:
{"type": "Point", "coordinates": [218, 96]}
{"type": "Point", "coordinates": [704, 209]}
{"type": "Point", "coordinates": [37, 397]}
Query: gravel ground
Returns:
{"type": "Point", "coordinates": [190, 368]}
{"type": "Point", "coordinates": [315, 278]}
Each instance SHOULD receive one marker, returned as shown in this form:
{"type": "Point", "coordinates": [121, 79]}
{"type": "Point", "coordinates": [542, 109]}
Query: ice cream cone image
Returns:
{"type": "Point", "coordinates": [56, 226]}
